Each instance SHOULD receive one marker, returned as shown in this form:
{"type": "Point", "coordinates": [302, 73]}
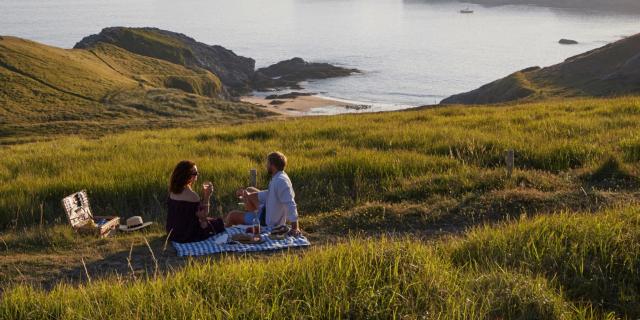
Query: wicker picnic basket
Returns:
{"type": "Point", "coordinates": [82, 219]}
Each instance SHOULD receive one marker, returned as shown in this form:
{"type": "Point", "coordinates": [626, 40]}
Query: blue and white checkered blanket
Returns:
{"type": "Point", "coordinates": [209, 246]}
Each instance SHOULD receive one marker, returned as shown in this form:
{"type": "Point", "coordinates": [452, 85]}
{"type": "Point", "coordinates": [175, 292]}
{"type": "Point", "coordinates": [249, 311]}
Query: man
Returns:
{"type": "Point", "coordinates": [274, 206]}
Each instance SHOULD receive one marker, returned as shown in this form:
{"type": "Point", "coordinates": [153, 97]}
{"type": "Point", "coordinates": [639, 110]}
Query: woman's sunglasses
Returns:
{"type": "Point", "coordinates": [194, 173]}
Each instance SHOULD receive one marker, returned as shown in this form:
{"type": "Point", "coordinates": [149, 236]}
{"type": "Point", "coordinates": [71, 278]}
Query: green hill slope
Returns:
{"type": "Point", "coordinates": [445, 164]}
{"type": "Point", "coordinates": [47, 90]}
{"type": "Point", "coordinates": [235, 71]}
{"type": "Point", "coordinates": [420, 174]}
{"type": "Point", "coordinates": [611, 70]}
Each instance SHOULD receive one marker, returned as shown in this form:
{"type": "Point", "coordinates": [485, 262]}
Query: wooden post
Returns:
{"type": "Point", "coordinates": [253, 178]}
{"type": "Point", "coordinates": [510, 159]}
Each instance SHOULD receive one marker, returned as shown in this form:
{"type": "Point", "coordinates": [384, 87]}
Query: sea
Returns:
{"type": "Point", "coordinates": [411, 52]}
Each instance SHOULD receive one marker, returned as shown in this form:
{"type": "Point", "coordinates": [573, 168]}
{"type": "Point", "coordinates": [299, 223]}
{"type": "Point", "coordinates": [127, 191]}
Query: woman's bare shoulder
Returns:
{"type": "Point", "coordinates": [186, 195]}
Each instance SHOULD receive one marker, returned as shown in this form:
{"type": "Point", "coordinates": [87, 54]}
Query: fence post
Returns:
{"type": "Point", "coordinates": [253, 178]}
{"type": "Point", "coordinates": [510, 159]}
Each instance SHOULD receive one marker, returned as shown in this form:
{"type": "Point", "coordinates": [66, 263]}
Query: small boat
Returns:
{"type": "Point", "coordinates": [466, 10]}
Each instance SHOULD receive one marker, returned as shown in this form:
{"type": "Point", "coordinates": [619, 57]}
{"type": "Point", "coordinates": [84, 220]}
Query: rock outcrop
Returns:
{"type": "Point", "coordinates": [235, 72]}
{"type": "Point", "coordinates": [607, 71]}
{"type": "Point", "coordinates": [290, 95]}
{"type": "Point", "coordinates": [289, 73]}
{"type": "Point", "coordinates": [567, 41]}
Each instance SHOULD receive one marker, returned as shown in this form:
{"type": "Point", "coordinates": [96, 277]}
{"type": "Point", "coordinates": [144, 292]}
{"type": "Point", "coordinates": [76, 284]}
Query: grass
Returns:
{"type": "Point", "coordinates": [612, 173]}
{"type": "Point", "coordinates": [142, 41]}
{"type": "Point", "coordinates": [47, 91]}
{"type": "Point", "coordinates": [566, 266]}
{"type": "Point", "coordinates": [451, 156]}
{"type": "Point", "coordinates": [593, 259]}
{"type": "Point", "coordinates": [380, 195]}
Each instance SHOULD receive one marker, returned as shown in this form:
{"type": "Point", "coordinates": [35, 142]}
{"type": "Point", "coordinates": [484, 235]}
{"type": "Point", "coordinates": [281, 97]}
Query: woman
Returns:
{"type": "Point", "coordinates": [188, 217]}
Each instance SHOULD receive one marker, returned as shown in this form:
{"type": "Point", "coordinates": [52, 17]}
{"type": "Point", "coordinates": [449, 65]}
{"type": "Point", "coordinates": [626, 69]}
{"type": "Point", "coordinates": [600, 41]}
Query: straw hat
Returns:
{"type": "Point", "coordinates": [134, 223]}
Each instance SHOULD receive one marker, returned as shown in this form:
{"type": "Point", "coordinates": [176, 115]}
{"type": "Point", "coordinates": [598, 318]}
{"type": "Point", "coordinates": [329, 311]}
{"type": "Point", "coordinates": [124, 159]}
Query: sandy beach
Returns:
{"type": "Point", "coordinates": [296, 107]}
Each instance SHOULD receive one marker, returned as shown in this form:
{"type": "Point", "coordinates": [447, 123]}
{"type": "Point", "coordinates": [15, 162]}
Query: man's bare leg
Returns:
{"type": "Point", "coordinates": [251, 204]}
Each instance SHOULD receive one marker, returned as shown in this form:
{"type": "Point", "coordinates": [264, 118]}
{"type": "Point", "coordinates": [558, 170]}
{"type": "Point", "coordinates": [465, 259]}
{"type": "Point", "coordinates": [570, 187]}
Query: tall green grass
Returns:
{"type": "Point", "coordinates": [362, 279]}
{"type": "Point", "coordinates": [594, 258]}
{"type": "Point", "coordinates": [567, 266]}
{"type": "Point", "coordinates": [335, 162]}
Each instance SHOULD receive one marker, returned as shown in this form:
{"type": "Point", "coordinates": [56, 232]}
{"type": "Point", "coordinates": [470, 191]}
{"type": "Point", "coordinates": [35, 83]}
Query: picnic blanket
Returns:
{"type": "Point", "coordinates": [209, 246]}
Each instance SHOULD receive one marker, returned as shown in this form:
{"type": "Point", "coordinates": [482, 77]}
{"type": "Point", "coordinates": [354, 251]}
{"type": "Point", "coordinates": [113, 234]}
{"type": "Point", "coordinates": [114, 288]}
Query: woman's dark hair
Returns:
{"type": "Point", "coordinates": [181, 175]}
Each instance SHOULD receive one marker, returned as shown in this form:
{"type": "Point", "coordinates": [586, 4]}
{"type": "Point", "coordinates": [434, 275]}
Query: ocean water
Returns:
{"type": "Point", "coordinates": [412, 52]}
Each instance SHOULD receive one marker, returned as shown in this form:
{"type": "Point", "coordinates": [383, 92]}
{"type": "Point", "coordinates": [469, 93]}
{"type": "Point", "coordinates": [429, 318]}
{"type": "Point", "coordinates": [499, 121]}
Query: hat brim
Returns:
{"type": "Point", "coordinates": [127, 229]}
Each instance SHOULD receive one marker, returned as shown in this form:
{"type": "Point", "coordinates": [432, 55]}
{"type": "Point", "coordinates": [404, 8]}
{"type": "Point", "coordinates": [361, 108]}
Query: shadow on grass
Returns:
{"type": "Point", "coordinates": [440, 214]}
{"type": "Point", "coordinates": [612, 174]}
{"type": "Point", "coordinates": [81, 259]}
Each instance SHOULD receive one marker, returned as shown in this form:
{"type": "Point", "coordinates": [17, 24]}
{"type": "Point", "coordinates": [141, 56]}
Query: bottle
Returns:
{"type": "Point", "coordinates": [256, 225]}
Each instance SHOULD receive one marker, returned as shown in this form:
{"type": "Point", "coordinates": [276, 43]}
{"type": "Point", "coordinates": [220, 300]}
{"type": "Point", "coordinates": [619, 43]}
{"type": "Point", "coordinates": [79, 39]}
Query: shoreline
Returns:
{"type": "Point", "coordinates": [299, 106]}
{"type": "Point", "coordinates": [318, 105]}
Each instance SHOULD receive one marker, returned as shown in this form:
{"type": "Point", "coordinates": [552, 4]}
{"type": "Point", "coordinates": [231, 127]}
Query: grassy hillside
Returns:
{"type": "Point", "coordinates": [236, 72]}
{"type": "Point", "coordinates": [434, 165]}
{"type": "Point", "coordinates": [579, 266]}
{"type": "Point", "coordinates": [46, 90]}
{"type": "Point", "coordinates": [612, 70]}
{"type": "Point", "coordinates": [388, 200]}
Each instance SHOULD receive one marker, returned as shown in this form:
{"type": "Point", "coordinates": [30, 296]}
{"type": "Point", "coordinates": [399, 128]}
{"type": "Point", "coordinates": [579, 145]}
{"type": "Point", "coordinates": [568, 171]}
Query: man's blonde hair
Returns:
{"type": "Point", "coordinates": [278, 160]}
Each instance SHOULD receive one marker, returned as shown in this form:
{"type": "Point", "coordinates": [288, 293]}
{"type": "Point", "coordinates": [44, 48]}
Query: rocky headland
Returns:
{"type": "Point", "coordinates": [128, 78]}
{"type": "Point", "coordinates": [237, 73]}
